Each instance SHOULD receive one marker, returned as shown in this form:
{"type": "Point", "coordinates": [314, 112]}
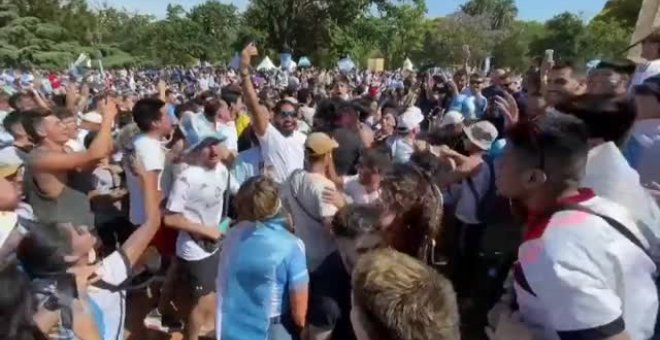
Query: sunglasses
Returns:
{"type": "Point", "coordinates": [287, 114]}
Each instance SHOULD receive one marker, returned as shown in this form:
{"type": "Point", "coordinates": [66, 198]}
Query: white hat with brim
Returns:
{"type": "Point", "coordinates": [92, 117]}
{"type": "Point", "coordinates": [451, 118]}
{"type": "Point", "coordinates": [410, 119]}
{"type": "Point", "coordinates": [199, 134]}
{"type": "Point", "coordinates": [482, 134]}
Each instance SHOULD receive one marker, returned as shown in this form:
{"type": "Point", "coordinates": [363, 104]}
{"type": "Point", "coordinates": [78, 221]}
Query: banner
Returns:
{"type": "Point", "coordinates": [376, 64]}
{"type": "Point", "coordinates": [647, 22]}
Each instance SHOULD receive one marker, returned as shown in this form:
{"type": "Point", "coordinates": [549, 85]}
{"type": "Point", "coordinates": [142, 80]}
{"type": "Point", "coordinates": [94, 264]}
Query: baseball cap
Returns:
{"type": "Point", "coordinates": [650, 86]}
{"type": "Point", "coordinates": [199, 133]}
{"type": "Point", "coordinates": [482, 134]}
{"type": "Point", "coordinates": [451, 118]}
{"type": "Point", "coordinates": [410, 119]}
{"type": "Point", "coordinates": [319, 143]}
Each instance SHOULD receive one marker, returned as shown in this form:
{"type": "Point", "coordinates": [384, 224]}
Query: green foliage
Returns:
{"type": "Point", "coordinates": [51, 33]}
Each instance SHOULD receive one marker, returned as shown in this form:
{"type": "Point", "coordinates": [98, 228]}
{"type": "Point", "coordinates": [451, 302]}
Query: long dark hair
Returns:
{"type": "Point", "coordinates": [17, 306]}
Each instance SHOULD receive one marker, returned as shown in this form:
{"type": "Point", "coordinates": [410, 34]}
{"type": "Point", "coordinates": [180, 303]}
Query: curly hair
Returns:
{"type": "Point", "coordinates": [417, 201]}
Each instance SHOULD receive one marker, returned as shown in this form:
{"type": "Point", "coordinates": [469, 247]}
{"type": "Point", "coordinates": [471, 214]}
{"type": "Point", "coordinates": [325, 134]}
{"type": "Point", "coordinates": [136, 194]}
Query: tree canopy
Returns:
{"type": "Point", "coordinates": [51, 33]}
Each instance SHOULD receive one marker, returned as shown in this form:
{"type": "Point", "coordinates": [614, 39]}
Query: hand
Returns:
{"type": "Point", "coordinates": [509, 108]}
{"type": "Point", "coordinates": [334, 197]}
{"type": "Point", "coordinates": [118, 193]}
{"type": "Point", "coordinates": [466, 52]}
{"type": "Point", "coordinates": [162, 86]}
{"type": "Point", "coordinates": [212, 233]}
{"type": "Point", "coordinates": [246, 56]}
{"type": "Point", "coordinates": [421, 146]}
{"type": "Point", "coordinates": [108, 109]}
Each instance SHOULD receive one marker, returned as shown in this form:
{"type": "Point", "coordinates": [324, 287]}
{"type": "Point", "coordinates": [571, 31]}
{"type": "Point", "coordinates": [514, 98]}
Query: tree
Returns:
{"type": "Point", "coordinates": [566, 34]}
{"type": "Point", "coordinates": [624, 12]}
{"type": "Point", "coordinates": [501, 13]}
{"type": "Point", "coordinates": [216, 24]}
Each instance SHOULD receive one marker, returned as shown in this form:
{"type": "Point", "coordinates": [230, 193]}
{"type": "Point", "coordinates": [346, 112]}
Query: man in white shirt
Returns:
{"type": "Point", "coordinates": [196, 207]}
{"type": "Point", "coordinates": [582, 270]}
{"type": "Point", "coordinates": [281, 144]}
{"type": "Point", "coordinates": [364, 188]}
{"type": "Point", "coordinates": [303, 193]}
{"type": "Point", "coordinates": [408, 126]}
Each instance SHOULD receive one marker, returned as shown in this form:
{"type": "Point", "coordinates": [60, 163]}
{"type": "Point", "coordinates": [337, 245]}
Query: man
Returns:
{"type": "Point", "coordinates": [303, 192]}
{"type": "Point", "coordinates": [17, 151]}
{"type": "Point", "coordinates": [408, 127]}
{"type": "Point", "coordinates": [357, 230]}
{"type": "Point", "coordinates": [579, 257]}
{"type": "Point", "coordinates": [610, 79]}
{"type": "Point", "coordinates": [563, 83]}
{"type": "Point", "coordinates": [341, 88]}
{"type": "Point", "coordinates": [650, 52]}
{"type": "Point", "coordinates": [644, 143]}
{"type": "Point", "coordinates": [471, 102]}
{"type": "Point", "coordinates": [495, 82]}
{"type": "Point", "coordinates": [364, 188]}
{"type": "Point", "coordinates": [150, 116]}
{"type": "Point", "coordinates": [195, 207]}
{"type": "Point", "coordinates": [50, 169]}
{"type": "Point", "coordinates": [396, 296]}
{"type": "Point", "coordinates": [282, 146]}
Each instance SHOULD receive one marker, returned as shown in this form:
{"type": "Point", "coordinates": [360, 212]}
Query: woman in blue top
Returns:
{"type": "Point", "coordinates": [262, 275]}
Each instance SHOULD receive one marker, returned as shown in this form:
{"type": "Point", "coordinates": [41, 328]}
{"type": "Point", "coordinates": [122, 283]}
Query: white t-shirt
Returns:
{"type": "Point", "coordinates": [357, 192]}
{"type": "Point", "coordinates": [303, 194]}
{"type": "Point", "coordinates": [198, 195]}
{"type": "Point", "coordinates": [150, 152]}
{"type": "Point", "coordinates": [229, 131]}
{"type": "Point", "coordinates": [577, 275]}
{"type": "Point", "coordinates": [283, 154]}
{"type": "Point", "coordinates": [9, 155]}
{"type": "Point", "coordinates": [115, 269]}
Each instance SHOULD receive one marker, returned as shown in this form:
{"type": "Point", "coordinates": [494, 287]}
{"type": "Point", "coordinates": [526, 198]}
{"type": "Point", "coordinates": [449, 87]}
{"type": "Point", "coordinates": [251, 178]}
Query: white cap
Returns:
{"type": "Point", "coordinates": [451, 118]}
{"type": "Point", "coordinates": [410, 119]}
{"type": "Point", "coordinates": [92, 117]}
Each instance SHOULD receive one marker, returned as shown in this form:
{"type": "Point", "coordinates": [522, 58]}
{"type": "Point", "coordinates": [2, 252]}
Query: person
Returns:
{"type": "Point", "coordinates": [495, 82]}
{"type": "Point", "coordinates": [195, 207]}
{"type": "Point", "coordinates": [281, 144]}
{"type": "Point", "coordinates": [18, 150]}
{"type": "Point", "coordinates": [651, 53]}
{"type": "Point", "coordinates": [71, 123]}
{"type": "Point", "coordinates": [50, 170]}
{"type": "Point", "coordinates": [364, 187]}
{"type": "Point", "coordinates": [387, 123]}
{"type": "Point", "coordinates": [150, 116]}
{"type": "Point", "coordinates": [609, 78]}
{"type": "Point", "coordinates": [303, 193]}
{"type": "Point", "coordinates": [395, 296]}
{"type": "Point", "coordinates": [580, 254]}
{"type": "Point", "coordinates": [357, 229]}
{"type": "Point", "coordinates": [413, 203]}
{"type": "Point", "coordinates": [408, 127]}
{"type": "Point", "coordinates": [250, 162]}
{"type": "Point", "coordinates": [262, 282]}
{"type": "Point", "coordinates": [562, 83]}
{"type": "Point", "coordinates": [643, 141]}
{"type": "Point", "coordinates": [471, 102]}
{"type": "Point", "coordinates": [341, 87]}
{"type": "Point", "coordinates": [50, 251]}
{"type": "Point", "coordinates": [18, 317]}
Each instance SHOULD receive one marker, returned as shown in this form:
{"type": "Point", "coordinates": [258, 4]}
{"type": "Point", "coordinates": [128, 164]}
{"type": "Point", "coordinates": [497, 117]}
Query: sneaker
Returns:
{"type": "Point", "coordinates": [155, 321]}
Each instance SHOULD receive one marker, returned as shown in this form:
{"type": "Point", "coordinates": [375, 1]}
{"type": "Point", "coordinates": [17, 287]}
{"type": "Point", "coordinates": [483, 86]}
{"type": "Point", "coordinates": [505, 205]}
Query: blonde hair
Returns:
{"type": "Point", "coordinates": [400, 298]}
{"type": "Point", "coordinates": [258, 199]}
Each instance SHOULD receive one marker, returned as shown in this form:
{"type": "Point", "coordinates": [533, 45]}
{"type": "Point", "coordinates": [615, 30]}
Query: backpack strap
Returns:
{"type": "Point", "coordinates": [295, 198]}
{"type": "Point", "coordinates": [613, 223]}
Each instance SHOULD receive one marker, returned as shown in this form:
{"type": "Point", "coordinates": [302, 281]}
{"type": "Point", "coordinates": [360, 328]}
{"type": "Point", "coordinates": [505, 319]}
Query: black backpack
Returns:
{"type": "Point", "coordinates": [491, 208]}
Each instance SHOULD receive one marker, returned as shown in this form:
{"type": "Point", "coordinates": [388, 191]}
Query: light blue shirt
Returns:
{"type": "Point", "coordinates": [470, 105]}
{"type": "Point", "coordinates": [260, 264]}
{"type": "Point", "coordinates": [249, 164]}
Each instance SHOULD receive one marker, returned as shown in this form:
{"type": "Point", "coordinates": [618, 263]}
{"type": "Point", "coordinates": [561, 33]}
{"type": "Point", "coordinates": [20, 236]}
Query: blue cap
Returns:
{"type": "Point", "coordinates": [199, 132]}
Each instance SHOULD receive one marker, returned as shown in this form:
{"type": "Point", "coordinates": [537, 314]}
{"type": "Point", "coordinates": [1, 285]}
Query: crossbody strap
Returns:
{"type": "Point", "coordinates": [295, 197]}
{"type": "Point", "coordinates": [614, 224]}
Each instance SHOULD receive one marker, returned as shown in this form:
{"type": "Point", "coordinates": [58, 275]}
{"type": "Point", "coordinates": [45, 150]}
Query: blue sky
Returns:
{"type": "Point", "coordinates": [528, 9]}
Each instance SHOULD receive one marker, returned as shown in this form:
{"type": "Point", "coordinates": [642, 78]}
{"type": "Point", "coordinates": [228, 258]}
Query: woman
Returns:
{"type": "Point", "coordinates": [262, 281]}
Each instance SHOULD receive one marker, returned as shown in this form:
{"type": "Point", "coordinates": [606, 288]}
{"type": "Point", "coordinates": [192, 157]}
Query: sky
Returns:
{"type": "Point", "coordinates": [528, 9]}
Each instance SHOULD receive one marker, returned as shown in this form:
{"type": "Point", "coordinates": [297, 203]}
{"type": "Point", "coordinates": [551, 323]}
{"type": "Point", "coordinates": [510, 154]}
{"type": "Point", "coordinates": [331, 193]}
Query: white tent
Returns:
{"type": "Point", "coordinates": [346, 64]}
{"type": "Point", "coordinates": [266, 65]}
{"type": "Point", "coordinates": [408, 65]}
{"type": "Point", "coordinates": [304, 62]}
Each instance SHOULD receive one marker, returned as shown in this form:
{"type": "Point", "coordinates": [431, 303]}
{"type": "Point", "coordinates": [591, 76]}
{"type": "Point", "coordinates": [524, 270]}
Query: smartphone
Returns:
{"type": "Point", "coordinates": [549, 55]}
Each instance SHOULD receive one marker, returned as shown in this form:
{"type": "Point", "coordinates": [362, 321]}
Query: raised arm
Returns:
{"type": "Point", "coordinates": [260, 116]}
{"type": "Point", "coordinates": [100, 147]}
{"type": "Point", "coordinates": [140, 239]}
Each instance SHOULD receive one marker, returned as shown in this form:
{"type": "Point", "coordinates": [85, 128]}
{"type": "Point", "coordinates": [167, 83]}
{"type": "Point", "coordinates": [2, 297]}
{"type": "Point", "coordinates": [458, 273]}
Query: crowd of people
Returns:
{"type": "Point", "coordinates": [333, 204]}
